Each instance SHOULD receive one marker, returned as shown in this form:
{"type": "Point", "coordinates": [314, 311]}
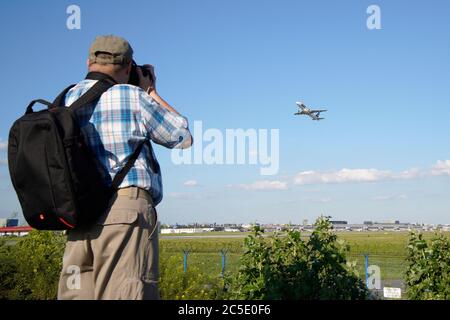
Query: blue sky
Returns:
{"type": "Point", "coordinates": [243, 64]}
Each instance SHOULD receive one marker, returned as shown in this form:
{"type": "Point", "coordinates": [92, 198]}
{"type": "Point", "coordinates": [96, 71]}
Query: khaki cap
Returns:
{"type": "Point", "coordinates": [110, 50]}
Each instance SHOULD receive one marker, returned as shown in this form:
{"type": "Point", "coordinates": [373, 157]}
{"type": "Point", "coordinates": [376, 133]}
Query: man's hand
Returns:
{"type": "Point", "coordinates": [147, 83]}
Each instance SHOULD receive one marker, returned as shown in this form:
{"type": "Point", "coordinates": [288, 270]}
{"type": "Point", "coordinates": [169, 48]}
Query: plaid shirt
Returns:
{"type": "Point", "coordinates": [115, 124]}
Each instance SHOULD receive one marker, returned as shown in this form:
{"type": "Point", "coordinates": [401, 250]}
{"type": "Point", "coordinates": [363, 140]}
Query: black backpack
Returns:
{"type": "Point", "coordinates": [58, 181]}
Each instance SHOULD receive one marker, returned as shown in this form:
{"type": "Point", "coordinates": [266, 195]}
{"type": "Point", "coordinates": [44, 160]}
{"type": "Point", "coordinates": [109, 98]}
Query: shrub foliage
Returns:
{"type": "Point", "coordinates": [428, 274]}
{"type": "Point", "coordinates": [289, 267]}
{"type": "Point", "coordinates": [30, 266]}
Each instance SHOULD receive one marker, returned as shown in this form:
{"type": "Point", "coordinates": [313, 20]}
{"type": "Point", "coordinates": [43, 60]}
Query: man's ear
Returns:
{"type": "Point", "coordinates": [129, 68]}
{"type": "Point", "coordinates": [87, 63]}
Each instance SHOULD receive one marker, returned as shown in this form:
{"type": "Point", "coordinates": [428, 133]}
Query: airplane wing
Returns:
{"type": "Point", "coordinates": [301, 105]}
{"type": "Point", "coordinates": [318, 111]}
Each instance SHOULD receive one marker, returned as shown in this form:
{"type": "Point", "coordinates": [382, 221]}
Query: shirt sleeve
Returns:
{"type": "Point", "coordinates": [163, 126]}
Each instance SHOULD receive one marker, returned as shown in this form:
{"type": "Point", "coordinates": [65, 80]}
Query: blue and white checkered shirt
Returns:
{"type": "Point", "coordinates": [115, 124]}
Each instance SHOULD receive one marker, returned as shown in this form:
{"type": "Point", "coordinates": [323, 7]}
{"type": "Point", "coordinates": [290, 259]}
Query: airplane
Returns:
{"type": "Point", "coordinates": [314, 114]}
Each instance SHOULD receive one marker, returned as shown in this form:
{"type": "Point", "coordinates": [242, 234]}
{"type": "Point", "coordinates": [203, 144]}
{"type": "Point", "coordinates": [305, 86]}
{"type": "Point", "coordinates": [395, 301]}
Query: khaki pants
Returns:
{"type": "Point", "coordinates": [117, 258]}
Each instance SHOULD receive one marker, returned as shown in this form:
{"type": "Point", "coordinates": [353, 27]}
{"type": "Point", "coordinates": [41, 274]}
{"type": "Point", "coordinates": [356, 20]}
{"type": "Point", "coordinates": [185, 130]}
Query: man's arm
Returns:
{"type": "Point", "coordinates": [172, 131]}
{"type": "Point", "coordinates": [149, 85]}
{"type": "Point", "coordinates": [162, 102]}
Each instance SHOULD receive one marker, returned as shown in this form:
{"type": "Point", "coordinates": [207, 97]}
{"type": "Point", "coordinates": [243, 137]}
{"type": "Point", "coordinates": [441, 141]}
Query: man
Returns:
{"type": "Point", "coordinates": [117, 257]}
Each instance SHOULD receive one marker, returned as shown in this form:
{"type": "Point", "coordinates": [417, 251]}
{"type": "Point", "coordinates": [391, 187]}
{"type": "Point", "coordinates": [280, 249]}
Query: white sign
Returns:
{"type": "Point", "coordinates": [393, 293]}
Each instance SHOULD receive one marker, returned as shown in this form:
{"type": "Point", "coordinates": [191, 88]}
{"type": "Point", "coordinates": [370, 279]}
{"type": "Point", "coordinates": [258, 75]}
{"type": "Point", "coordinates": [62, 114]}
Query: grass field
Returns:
{"type": "Point", "coordinates": [385, 249]}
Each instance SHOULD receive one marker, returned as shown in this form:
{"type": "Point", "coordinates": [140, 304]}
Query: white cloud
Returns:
{"type": "Point", "coordinates": [348, 176]}
{"type": "Point", "coordinates": [3, 145]}
{"type": "Point", "coordinates": [191, 183]}
{"type": "Point", "coordinates": [352, 175]}
{"type": "Point", "coordinates": [341, 176]}
{"type": "Point", "coordinates": [3, 162]}
{"type": "Point", "coordinates": [441, 168]}
{"type": "Point", "coordinates": [410, 174]}
{"type": "Point", "coordinates": [262, 185]}
{"type": "Point", "coordinates": [391, 197]}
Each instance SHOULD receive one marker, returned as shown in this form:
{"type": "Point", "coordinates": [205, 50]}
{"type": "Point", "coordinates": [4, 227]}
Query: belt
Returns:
{"type": "Point", "coordinates": [135, 193]}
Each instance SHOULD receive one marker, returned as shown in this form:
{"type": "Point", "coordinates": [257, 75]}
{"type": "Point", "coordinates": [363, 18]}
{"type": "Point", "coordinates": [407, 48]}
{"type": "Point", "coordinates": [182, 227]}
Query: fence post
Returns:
{"type": "Point", "coordinates": [224, 260]}
{"type": "Point", "coordinates": [366, 269]}
{"type": "Point", "coordinates": [185, 253]}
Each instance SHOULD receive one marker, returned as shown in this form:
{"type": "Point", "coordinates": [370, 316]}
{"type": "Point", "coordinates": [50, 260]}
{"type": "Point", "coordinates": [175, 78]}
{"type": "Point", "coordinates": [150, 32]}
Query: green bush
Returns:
{"type": "Point", "coordinates": [8, 269]}
{"type": "Point", "coordinates": [428, 273]}
{"type": "Point", "coordinates": [175, 284]}
{"type": "Point", "coordinates": [292, 268]}
{"type": "Point", "coordinates": [30, 268]}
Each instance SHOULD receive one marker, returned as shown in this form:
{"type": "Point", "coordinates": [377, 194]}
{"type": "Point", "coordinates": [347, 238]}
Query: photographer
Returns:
{"type": "Point", "coordinates": [117, 257]}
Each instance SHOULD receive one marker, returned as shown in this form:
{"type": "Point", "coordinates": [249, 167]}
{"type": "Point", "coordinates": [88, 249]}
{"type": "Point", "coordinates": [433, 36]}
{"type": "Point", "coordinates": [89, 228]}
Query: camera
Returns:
{"type": "Point", "coordinates": [134, 76]}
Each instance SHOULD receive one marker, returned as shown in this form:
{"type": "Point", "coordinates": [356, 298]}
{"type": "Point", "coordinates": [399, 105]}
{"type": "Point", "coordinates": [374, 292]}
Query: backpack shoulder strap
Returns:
{"type": "Point", "coordinates": [92, 94]}
{"type": "Point", "coordinates": [118, 178]}
{"type": "Point", "coordinates": [59, 101]}
{"type": "Point", "coordinates": [104, 83]}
